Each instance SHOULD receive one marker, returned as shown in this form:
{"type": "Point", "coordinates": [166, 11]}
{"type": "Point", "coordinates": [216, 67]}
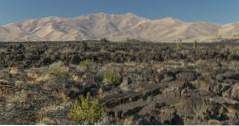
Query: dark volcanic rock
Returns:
{"type": "Point", "coordinates": [228, 75]}
{"type": "Point", "coordinates": [187, 75]}
{"type": "Point", "coordinates": [157, 83]}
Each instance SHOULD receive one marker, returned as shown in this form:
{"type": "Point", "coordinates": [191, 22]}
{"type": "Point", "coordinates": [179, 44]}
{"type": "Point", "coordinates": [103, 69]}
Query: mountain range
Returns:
{"type": "Point", "coordinates": [116, 27]}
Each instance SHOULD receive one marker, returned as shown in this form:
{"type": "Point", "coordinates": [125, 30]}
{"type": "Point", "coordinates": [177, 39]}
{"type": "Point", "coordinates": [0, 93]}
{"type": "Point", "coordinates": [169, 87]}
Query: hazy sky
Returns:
{"type": "Point", "coordinates": [216, 11]}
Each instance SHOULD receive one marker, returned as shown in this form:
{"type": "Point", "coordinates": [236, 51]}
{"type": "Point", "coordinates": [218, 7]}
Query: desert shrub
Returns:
{"type": "Point", "coordinates": [85, 63]}
{"type": "Point", "coordinates": [59, 70]}
{"type": "Point", "coordinates": [131, 40]}
{"type": "Point", "coordinates": [179, 46]}
{"type": "Point", "coordinates": [232, 53]}
{"type": "Point", "coordinates": [200, 111]}
{"type": "Point", "coordinates": [86, 111]}
{"type": "Point", "coordinates": [104, 40]}
{"type": "Point", "coordinates": [111, 77]}
{"type": "Point", "coordinates": [195, 44]}
{"type": "Point", "coordinates": [20, 97]}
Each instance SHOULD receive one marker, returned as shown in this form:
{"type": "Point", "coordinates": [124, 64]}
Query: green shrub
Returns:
{"type": "Point", "coordinates": [131, 40]}
{"type": "Point", "coordinates": [57, 67]}
{"type": "Point", "coordinates": [86, 111]}
{"type": "Point", "coordinates": [59, 70]}
{"type": "Point", "coordinates": [111, 77]}
{"type": "Point", "coordinates": [232, 53]}
{"type": "Point", "coordinates": [104, 40]}
{"type": "Point", "coordinates": [179, 46]}
{"type": "Point", "coordinates": [195, 44]}
{"type": "Point", "coordinates": [85, 63]}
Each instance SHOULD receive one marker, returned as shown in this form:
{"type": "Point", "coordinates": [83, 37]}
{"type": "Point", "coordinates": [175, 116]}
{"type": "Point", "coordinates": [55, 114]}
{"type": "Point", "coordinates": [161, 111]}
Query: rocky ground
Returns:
{"type": "Point", "coordinates": [134, 83]}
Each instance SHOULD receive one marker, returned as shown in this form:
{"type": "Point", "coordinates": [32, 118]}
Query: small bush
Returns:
{"type": "Point", "coordinates": [111, 77]}
{"type": "Point", "coordinates": [179, 46]}
{"type": "Point", "coordinates": [59, 70]}
{"type": "Point", "coordinates": [86, 111]}
{"type": "Point", "coordinates": [85, 63]}
{"type": "Point", "coordinates": [131, 40]}
{"type": "Point", "coordinates": [104, 40]}
{"type": "Point", "coordinates": [232, 53]}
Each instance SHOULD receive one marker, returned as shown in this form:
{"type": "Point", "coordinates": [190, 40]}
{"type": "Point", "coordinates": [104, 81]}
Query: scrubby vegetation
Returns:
{"type": "Point", "coordinates": [128, 83]}
{"type": "Point", "coordinates": [86, 111]}
{"type": "Point", "coordinates": [85, 63]}
{"type": "Point", "coordinates": [58, 69]}
{"type": "Point", "coordinates": [111, 77]}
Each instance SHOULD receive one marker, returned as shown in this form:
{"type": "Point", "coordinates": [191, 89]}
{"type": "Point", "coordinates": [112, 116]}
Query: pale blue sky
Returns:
{"type": "Point", "coordinates": [216, 11]}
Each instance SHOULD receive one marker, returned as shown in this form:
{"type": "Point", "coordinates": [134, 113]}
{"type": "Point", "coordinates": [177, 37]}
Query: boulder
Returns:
{"type": "Point", "coordinates": [187, 75]}
{"type": "Point", "coordinates": [227, 75]}
{"type": "Point", "coordinates": [235, 91]}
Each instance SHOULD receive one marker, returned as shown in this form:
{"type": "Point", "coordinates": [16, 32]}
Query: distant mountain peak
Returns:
{"type": "Point", "coordinates": [114, 27]}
